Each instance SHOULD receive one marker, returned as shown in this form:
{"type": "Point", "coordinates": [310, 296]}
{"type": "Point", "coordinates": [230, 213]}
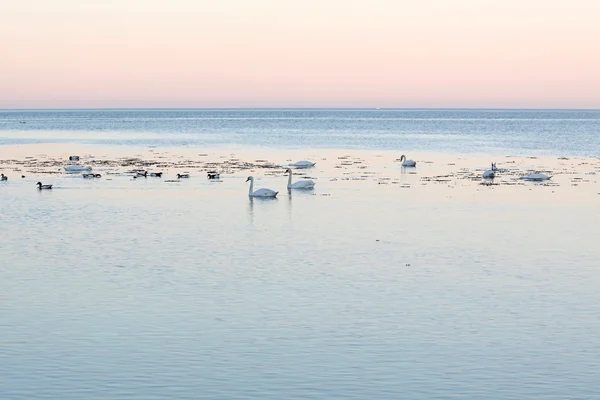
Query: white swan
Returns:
{"type": "Point", "coordinates": [536, 177]}
{"type": "Point", "coordinates": [303, 184]}
{"type": "Point", "coordinates": [407, 163]}
{"type": "Point", "coordinates": [259, 192]}
{"type": "Point", "coordinates": [303, 164]}
{"type": "Point", "coordinates": [77, 168]}
{"type": "Point", "coordinates": [490, 173]}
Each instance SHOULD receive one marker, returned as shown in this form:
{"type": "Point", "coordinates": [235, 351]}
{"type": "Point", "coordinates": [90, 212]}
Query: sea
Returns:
{"type": "Point", "coordinates": [381, 283]}
{"type": "Point", "coordinates": [523, 132]}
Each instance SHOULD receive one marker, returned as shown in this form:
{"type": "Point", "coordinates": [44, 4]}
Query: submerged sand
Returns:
{"type": "Point", "coordinates": [373, 167]}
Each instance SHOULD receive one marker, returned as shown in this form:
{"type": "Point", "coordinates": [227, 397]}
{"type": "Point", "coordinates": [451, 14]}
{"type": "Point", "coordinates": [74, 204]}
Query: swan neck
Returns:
{"type": "Point", "coordinates": [251, 187]}
{"type": "Point", "coordinates": [289, 178]}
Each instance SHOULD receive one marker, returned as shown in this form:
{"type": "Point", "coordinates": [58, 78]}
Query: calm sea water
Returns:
{"type": "Point", "coordinates": [555, 132]}
{"type": "Point", "coordinates": [142, 289]}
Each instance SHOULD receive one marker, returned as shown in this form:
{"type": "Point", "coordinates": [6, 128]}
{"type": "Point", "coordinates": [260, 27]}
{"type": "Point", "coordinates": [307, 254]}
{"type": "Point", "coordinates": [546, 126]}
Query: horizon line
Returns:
{"type": "Point", "coordinates": [298, 108]}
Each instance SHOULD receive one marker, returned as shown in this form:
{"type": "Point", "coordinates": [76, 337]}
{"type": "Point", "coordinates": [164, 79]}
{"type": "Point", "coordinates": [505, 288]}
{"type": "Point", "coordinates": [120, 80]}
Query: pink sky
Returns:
{"type": "Point", "coordinates": [306, 53]}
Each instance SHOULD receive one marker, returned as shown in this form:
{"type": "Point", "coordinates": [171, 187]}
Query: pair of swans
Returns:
{"type": "Point", "coordinates": [303, 184]}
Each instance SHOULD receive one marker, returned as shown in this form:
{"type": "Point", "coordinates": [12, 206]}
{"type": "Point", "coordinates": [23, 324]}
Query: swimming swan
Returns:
{"type": "Point", "coordinates": [89, 176]}
{"type": "Point", "coordinates": [179, 176]}
{"type": "Point", "coordinates": [4, 178]}
{"type": "Point", "coordinates": [40, 186]}
{"type": "Point", "coordinates": [407, 163]}
{"type": "Point", "coordinates": [77, 168]}
{"type": "Point", "coordinates": [536, 177]}
{"type": "Point", "coordinates": [490, 173]}
{"type": "Point", "coordinates": [304, 184]}
{"type": "Point", "coordinates": [259, 192]}
{"type": "Point", "coordinates": [303, 164]}
{"type": "Point", "coordinates": [213, 175]}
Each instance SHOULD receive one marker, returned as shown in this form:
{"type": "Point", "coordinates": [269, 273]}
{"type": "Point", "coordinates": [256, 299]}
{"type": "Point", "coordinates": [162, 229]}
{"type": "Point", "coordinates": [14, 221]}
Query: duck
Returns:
{"type": "Point", "coordinates": [145, 174]}
{"type": "Point", "coordinates": [88, 176]}
{"type": "Point", "coordinates": [259, 192]}
{"type": "Point", "coordinates": [407, 163]}
{"type": "Point", "coordinates": [490, 173]}
{"type": "Point", "coordinates": [3, 178]}
{"type": "Point", "coordinates": [303, 164]}
{"type": "Point", "coordinates": [536, 177]}
{"type": "Point", "coordinates": [42, 187]}
{"type": "Point", "coordinates": [213, 175]}
{"type": "Point", "coordinates": [180, 176]}
{"type": "Point", "coordinates": [303, 184]}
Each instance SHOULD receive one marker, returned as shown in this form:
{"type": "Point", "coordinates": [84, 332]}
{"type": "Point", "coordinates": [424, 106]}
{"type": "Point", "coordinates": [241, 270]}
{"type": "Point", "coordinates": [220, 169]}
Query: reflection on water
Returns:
{"type": "Point", "coordinates": [251, 208]}
{"type": "Point", "coordinates": [289, 205]}
{"type": "Point", "coordinates": [151, 290]}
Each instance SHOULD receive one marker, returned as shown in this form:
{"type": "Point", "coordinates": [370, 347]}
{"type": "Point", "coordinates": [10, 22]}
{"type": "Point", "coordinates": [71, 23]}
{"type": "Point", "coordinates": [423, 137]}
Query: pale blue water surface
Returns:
{"type": "Point", "coordinates": [142, 289]}
{"type": "Point", "coordinates": [557, 132]}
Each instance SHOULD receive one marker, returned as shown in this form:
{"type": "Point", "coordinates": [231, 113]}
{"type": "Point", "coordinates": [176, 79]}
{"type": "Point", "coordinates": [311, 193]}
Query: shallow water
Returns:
{"type": "Point", "coordinates": [363, 288]}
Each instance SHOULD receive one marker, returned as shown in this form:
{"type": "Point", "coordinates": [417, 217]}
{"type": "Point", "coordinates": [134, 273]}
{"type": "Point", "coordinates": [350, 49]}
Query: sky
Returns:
{"type": "Point", "coordinates": [300, 53]}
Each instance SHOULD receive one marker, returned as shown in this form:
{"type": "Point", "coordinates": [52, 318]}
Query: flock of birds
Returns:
{"type": "Point", "coordinates": [305, 184]}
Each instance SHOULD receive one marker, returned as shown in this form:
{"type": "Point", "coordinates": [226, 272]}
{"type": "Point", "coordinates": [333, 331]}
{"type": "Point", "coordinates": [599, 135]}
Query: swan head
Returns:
{"type": "Point", "coordinates": [250, 178]}
{"type": "Point", "coordinates": [39, 183]}
{"type": "Point", "coordinates": [287, 171]}
{"type": "Point", "coordinates": [402, 157]}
